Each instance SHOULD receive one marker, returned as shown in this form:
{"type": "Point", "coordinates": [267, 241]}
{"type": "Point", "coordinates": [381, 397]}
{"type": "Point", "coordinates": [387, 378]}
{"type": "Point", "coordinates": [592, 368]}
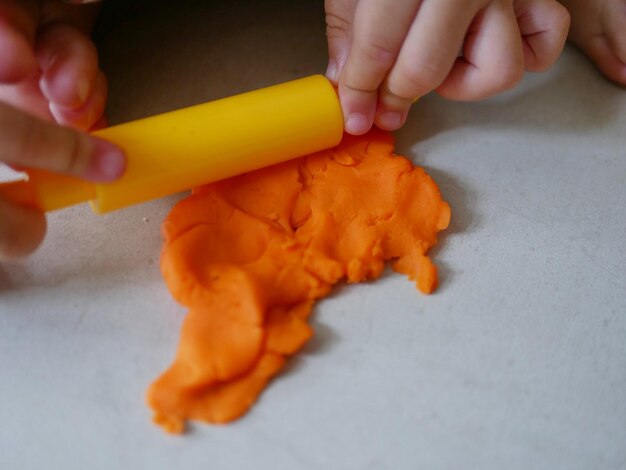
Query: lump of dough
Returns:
{"type": "Point", "coordinates": [248, 256]}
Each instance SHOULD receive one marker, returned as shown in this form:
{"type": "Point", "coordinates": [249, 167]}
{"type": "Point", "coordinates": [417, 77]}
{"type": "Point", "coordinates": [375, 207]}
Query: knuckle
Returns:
{"type": "Point", "coordinates": [337, 26]}
{"type": "Point", "coordinates": [60, 151]}
{"type": "Point", "coordinates": [348, 81]}
{"type": "Point", "coordinates": [393, 100]}
{"type": "Point", "coordinates": [29, 139]}
{"type": "Point", "coordinates": [73, 162]}
{"type": "Point", "coordinates": [417, 78]}
{"type": "Point", "coordinates": [342, 10]}
{"type": "Point", "coordinates": [375, 52]}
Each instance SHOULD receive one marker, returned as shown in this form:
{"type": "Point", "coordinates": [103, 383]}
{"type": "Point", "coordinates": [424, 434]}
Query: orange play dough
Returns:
{"type": "Point", "coordinates": [248, 256]}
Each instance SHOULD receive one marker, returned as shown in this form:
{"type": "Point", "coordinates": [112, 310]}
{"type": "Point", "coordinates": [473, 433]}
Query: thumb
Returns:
{"type": "Point", "coordinates": [339, 18]}
{"type": "Point", "coordinates": [32, 143]}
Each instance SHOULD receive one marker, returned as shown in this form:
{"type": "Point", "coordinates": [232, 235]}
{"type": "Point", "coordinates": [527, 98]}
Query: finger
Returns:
{"type": "Point", "coordinates": [599, 51]}
{"type": "Point", "coordinates": [26, 95]}
{"type": "Point", "coordinates": [493, 60]}
{"type": "Point", "coordinates": [85, 117]}
{"type": "Point", "coordinates": [615, 27]}
{"type": "Point", "coordinates": [425, 59]}
{"type": "Point", "coordinates": [21, 230]}
{"type": "Point", "coordinates": [100, 124]}
{"type": "Point", "coordinates": [18, 22]}
{"type": "Point", "coordinates": [374, 50]}
{"type": "Point", "coordinates": [544, 25]}
{"type": "Point", "coordinates": [69, 62]}
{"type": "Point", "coordinates": [32, 143]}
{"type": "Point", "coordinates": [339, 15]}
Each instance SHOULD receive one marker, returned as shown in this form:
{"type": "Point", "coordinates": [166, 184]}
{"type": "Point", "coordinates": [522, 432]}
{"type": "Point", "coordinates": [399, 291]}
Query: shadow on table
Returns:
{"type": "Point", "coordinates": [97, 277]}
{"type": "Point", "coordinates": [465, 219]}
{"type": "Point", "coordinates": [575, 98]}
{"type": "Point", "coordinates": [323, 340]}
{"type": "Point", "coordinates": [5, 280]}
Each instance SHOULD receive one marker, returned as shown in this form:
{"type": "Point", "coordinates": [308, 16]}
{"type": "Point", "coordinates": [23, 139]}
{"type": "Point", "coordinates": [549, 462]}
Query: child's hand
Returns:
{"type": "Point", "coordinates": [599, 30]}
{"type": "Point", "coordinates": [384, 54]}
{"type": "Point", "coordinates": [48, 65]}
{"type": "Point", "coordinates": [26, 141]}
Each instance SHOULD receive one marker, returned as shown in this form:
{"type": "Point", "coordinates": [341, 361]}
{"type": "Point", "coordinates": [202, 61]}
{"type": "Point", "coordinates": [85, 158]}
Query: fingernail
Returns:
{"type": "Point", "coordinates": [331, 71]}
{"type": "Point", "coordinates": [357, 124]}
{"type": "Point", "coordinates": [107, 162]}
{"type": "Point", "coordinates": [390, 120]}
{"type": "Point", "coordinates": [82, 89]}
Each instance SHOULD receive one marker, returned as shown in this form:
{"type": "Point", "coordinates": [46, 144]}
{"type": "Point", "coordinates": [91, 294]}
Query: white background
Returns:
{"type": "Point", "coordinates": [517, 362]}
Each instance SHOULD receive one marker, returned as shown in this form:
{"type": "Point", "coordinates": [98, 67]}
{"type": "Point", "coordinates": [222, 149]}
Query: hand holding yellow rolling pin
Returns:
{"type": "Point", "coordinates": [165, 154]}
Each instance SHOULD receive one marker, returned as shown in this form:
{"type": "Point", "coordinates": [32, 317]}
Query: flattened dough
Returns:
{"type": "Point", "coordinates": [248, 256]}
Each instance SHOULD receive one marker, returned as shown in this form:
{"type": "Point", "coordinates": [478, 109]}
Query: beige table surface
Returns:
{"type": "Point", "coordinates": [518, 361]}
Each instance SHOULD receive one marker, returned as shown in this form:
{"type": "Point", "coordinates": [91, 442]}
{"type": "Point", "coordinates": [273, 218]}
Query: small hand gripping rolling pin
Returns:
{"type": "Point", "coordinates": [179, 150]}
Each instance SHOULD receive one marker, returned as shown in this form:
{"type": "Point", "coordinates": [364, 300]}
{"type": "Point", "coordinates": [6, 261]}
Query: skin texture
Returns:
{"type": "Point", "coordinates": [381, 70]}
{"type": "Point", "coordinates": [50, 66]}
{"type": "Point", "coordinates": [599, 30]}
{"type": "Point", "coordinates": [48, 72]}
{"type": "Point", "coordinates": [250, 255]}
{"type": "Point", "coordinates": [29, 142]}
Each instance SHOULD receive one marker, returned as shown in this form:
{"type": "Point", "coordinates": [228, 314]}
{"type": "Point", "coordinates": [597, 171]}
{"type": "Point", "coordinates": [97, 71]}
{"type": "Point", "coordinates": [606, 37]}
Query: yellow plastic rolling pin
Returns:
{"type": "Point", "coordinates": [201, 144]}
